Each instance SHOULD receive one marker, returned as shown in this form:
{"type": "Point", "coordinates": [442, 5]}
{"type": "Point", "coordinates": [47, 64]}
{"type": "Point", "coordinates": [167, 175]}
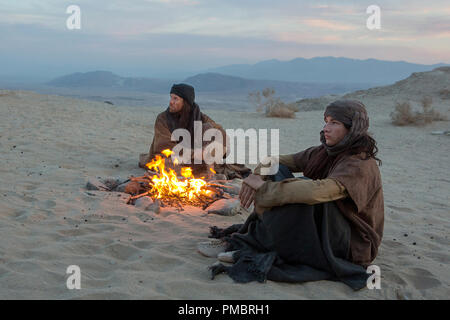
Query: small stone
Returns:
{"type": "Point", "coordinates": [233, 190]}
{"type": "Point", "coordinates": [414, 243]}
{"type": "Point", "coordinates": [111, 183]}
{"type": "Point", "coordinates": [224, 207]}
{"type": "Point", "coordinates": [155, 207]}
{"type": "Point", "coordinates": [405, 235]}
{"type": "Point", "coordinates": [94, 184]}
{"type": "Point", "coordinates": [143, 202]}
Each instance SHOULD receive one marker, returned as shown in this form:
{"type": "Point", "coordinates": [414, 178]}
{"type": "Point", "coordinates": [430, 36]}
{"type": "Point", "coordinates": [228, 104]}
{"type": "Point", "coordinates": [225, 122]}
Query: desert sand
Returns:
{"type": "Point", "coordinates": [51, 145]}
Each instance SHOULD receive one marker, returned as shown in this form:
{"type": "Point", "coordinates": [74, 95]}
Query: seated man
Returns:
{"type": "Point", "coordinates": [181, 113]}
{"type": "Point", "coordinates": [327, 226]}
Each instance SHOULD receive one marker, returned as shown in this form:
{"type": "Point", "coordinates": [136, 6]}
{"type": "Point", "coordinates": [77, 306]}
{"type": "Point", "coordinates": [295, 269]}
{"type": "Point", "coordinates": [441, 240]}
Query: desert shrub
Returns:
{"type": "Point", "coordinates": [280, 112]}
{"type": "Point", "coordinates": [403, 114]}
{"type": "Point", "coordinates": [273, 107]}
{"type": "Point", "coordinates": [445, 94]}
{"type": "Point", "coordinates": [293, 106]}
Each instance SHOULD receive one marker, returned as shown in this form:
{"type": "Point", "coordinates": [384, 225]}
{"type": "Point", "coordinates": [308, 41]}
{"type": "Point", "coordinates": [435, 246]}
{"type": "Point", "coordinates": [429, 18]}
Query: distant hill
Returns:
{"type": "Point", "coordinates": [206, 82]}
{"type": "Point", "coordinates": [106, 79]}
{"type": "Point", "coordinates": [215, 82]}
{"type": "Point", "coordinates": [327, 70]}
{"type": "Point", "coordinates": [318, 77]}
{"type": "Point", "coordinates": [94, 78]}
{"type": "Point", "coordinates": [434, 84]}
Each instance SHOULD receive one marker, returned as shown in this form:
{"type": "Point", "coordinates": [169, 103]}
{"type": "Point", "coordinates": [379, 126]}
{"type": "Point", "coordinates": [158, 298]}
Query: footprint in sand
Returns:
{"type": "Point", "coordinates": [421, 279]}
{"type": "Point", "coordinates": [401, 209]}
{"type": "Point", "coordinates": [163, 262]}
{"type": "Point", "coordinates": [32, 186]}
{"type": "Point", "coordinates": [47, 204]}
{"type": "Point", "coordinates": [121, 251]}
{"type": "Point", "coordinates": [28, 199]}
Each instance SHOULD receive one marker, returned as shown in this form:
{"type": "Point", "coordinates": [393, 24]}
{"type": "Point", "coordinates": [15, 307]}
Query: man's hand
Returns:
{"type": "Point", "coordinates": [248, 190]}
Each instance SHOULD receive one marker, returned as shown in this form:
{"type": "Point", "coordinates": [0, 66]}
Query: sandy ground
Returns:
{"type": "Point", "coordinates": [51, 145]}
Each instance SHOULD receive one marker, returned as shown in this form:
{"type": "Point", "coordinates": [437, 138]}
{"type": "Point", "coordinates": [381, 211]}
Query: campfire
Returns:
{"type": "Point", "coordinates": [168, 189]}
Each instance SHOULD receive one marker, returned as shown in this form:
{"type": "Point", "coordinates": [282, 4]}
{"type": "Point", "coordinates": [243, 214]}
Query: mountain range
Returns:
{"type": "Point", "coordinates": [327, 70]}
{"type": "Point", "coordinates": [296, 78]}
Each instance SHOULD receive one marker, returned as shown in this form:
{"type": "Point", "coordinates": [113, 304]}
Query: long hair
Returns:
{"type": "Point", "coordinates": [368, 145]}
{"type": "Point", "coordinates": [185, 115]}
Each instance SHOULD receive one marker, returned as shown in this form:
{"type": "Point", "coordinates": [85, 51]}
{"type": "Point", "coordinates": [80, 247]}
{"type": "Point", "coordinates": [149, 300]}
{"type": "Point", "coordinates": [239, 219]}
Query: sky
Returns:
{"type": "Point", "coordinates": [168, 38]}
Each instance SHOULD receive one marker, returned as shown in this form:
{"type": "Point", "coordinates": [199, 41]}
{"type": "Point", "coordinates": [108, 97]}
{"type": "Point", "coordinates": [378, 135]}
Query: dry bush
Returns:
{"type": "Point", "coordinates": [280, 112]}
{"type": "Point", "coordinates": [293, 106]}
{"type": "Point", "coordinates": [403, 114]}
{"type": "Point", "coordinates": [6, 93]}
{"type": "Point", "coordinates": [427, 101]}
{"type": "Point", "coordinates": [445, 94]}
{"type": "Point", "coordinates": [273, 107]}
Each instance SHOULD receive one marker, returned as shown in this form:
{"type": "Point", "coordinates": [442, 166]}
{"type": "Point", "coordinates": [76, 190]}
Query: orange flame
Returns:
{"type": "Point", "coordinates": [167, 185]}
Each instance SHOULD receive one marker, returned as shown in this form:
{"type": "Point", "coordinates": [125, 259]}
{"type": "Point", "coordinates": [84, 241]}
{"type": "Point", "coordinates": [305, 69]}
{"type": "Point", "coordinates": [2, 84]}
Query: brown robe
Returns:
{"type": "Point", "coordinates": [162, 140]}
{"type": "Point", "coordinates": [364, 207]}
{"type": "Point", "coordinates": [162, 136]}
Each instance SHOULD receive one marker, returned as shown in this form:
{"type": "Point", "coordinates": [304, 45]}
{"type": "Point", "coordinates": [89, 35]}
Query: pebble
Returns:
{"type": "Point", "coordinates": [143, 202]}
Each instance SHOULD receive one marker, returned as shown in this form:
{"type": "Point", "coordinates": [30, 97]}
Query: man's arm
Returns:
{"type": "Point", "coordinates": [287, 160]}
{"type": "Point", "coordinates": [295, 190]}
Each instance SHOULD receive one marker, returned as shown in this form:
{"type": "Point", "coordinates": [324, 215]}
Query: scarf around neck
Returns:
{"type": "Point", "coordinates": [353, 115]}
{"type": "Point", "coordinates": [174, 119]}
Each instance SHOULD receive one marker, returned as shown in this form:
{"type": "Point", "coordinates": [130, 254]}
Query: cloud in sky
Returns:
{"type": "Point", "coordinates": [193, 34]}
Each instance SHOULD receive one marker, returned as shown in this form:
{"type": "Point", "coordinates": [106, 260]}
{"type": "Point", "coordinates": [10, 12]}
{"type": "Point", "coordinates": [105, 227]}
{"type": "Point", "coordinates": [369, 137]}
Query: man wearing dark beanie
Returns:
{"type": "Point", "coordinates": [182, 112]}
{"type": "Point", "coordinates": [184, 91]}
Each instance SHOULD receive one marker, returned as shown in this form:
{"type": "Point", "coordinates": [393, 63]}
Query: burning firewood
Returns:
{"type": "Point", "coordinates": [170, 186]}
{"type": "Point", "coordinates": [172, 190]}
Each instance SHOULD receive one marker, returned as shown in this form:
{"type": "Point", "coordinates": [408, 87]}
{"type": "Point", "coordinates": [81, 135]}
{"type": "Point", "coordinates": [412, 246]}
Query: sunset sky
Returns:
{"type": "Point", "coordinates": [170, 37]}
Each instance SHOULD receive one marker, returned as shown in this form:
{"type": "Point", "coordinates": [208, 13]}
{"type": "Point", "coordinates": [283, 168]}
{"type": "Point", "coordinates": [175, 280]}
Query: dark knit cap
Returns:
{"type": "Point", "coordinates": [346, 111]}
{"type": "Point", "coordinates": [353, 115]}
{"type": "Point", "coordinates": [184, 91]}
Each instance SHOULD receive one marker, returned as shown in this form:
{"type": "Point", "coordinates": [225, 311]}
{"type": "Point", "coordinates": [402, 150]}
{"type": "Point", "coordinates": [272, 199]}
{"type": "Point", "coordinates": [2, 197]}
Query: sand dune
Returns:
{"type": "Point", "coordinates": [51, 145]}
